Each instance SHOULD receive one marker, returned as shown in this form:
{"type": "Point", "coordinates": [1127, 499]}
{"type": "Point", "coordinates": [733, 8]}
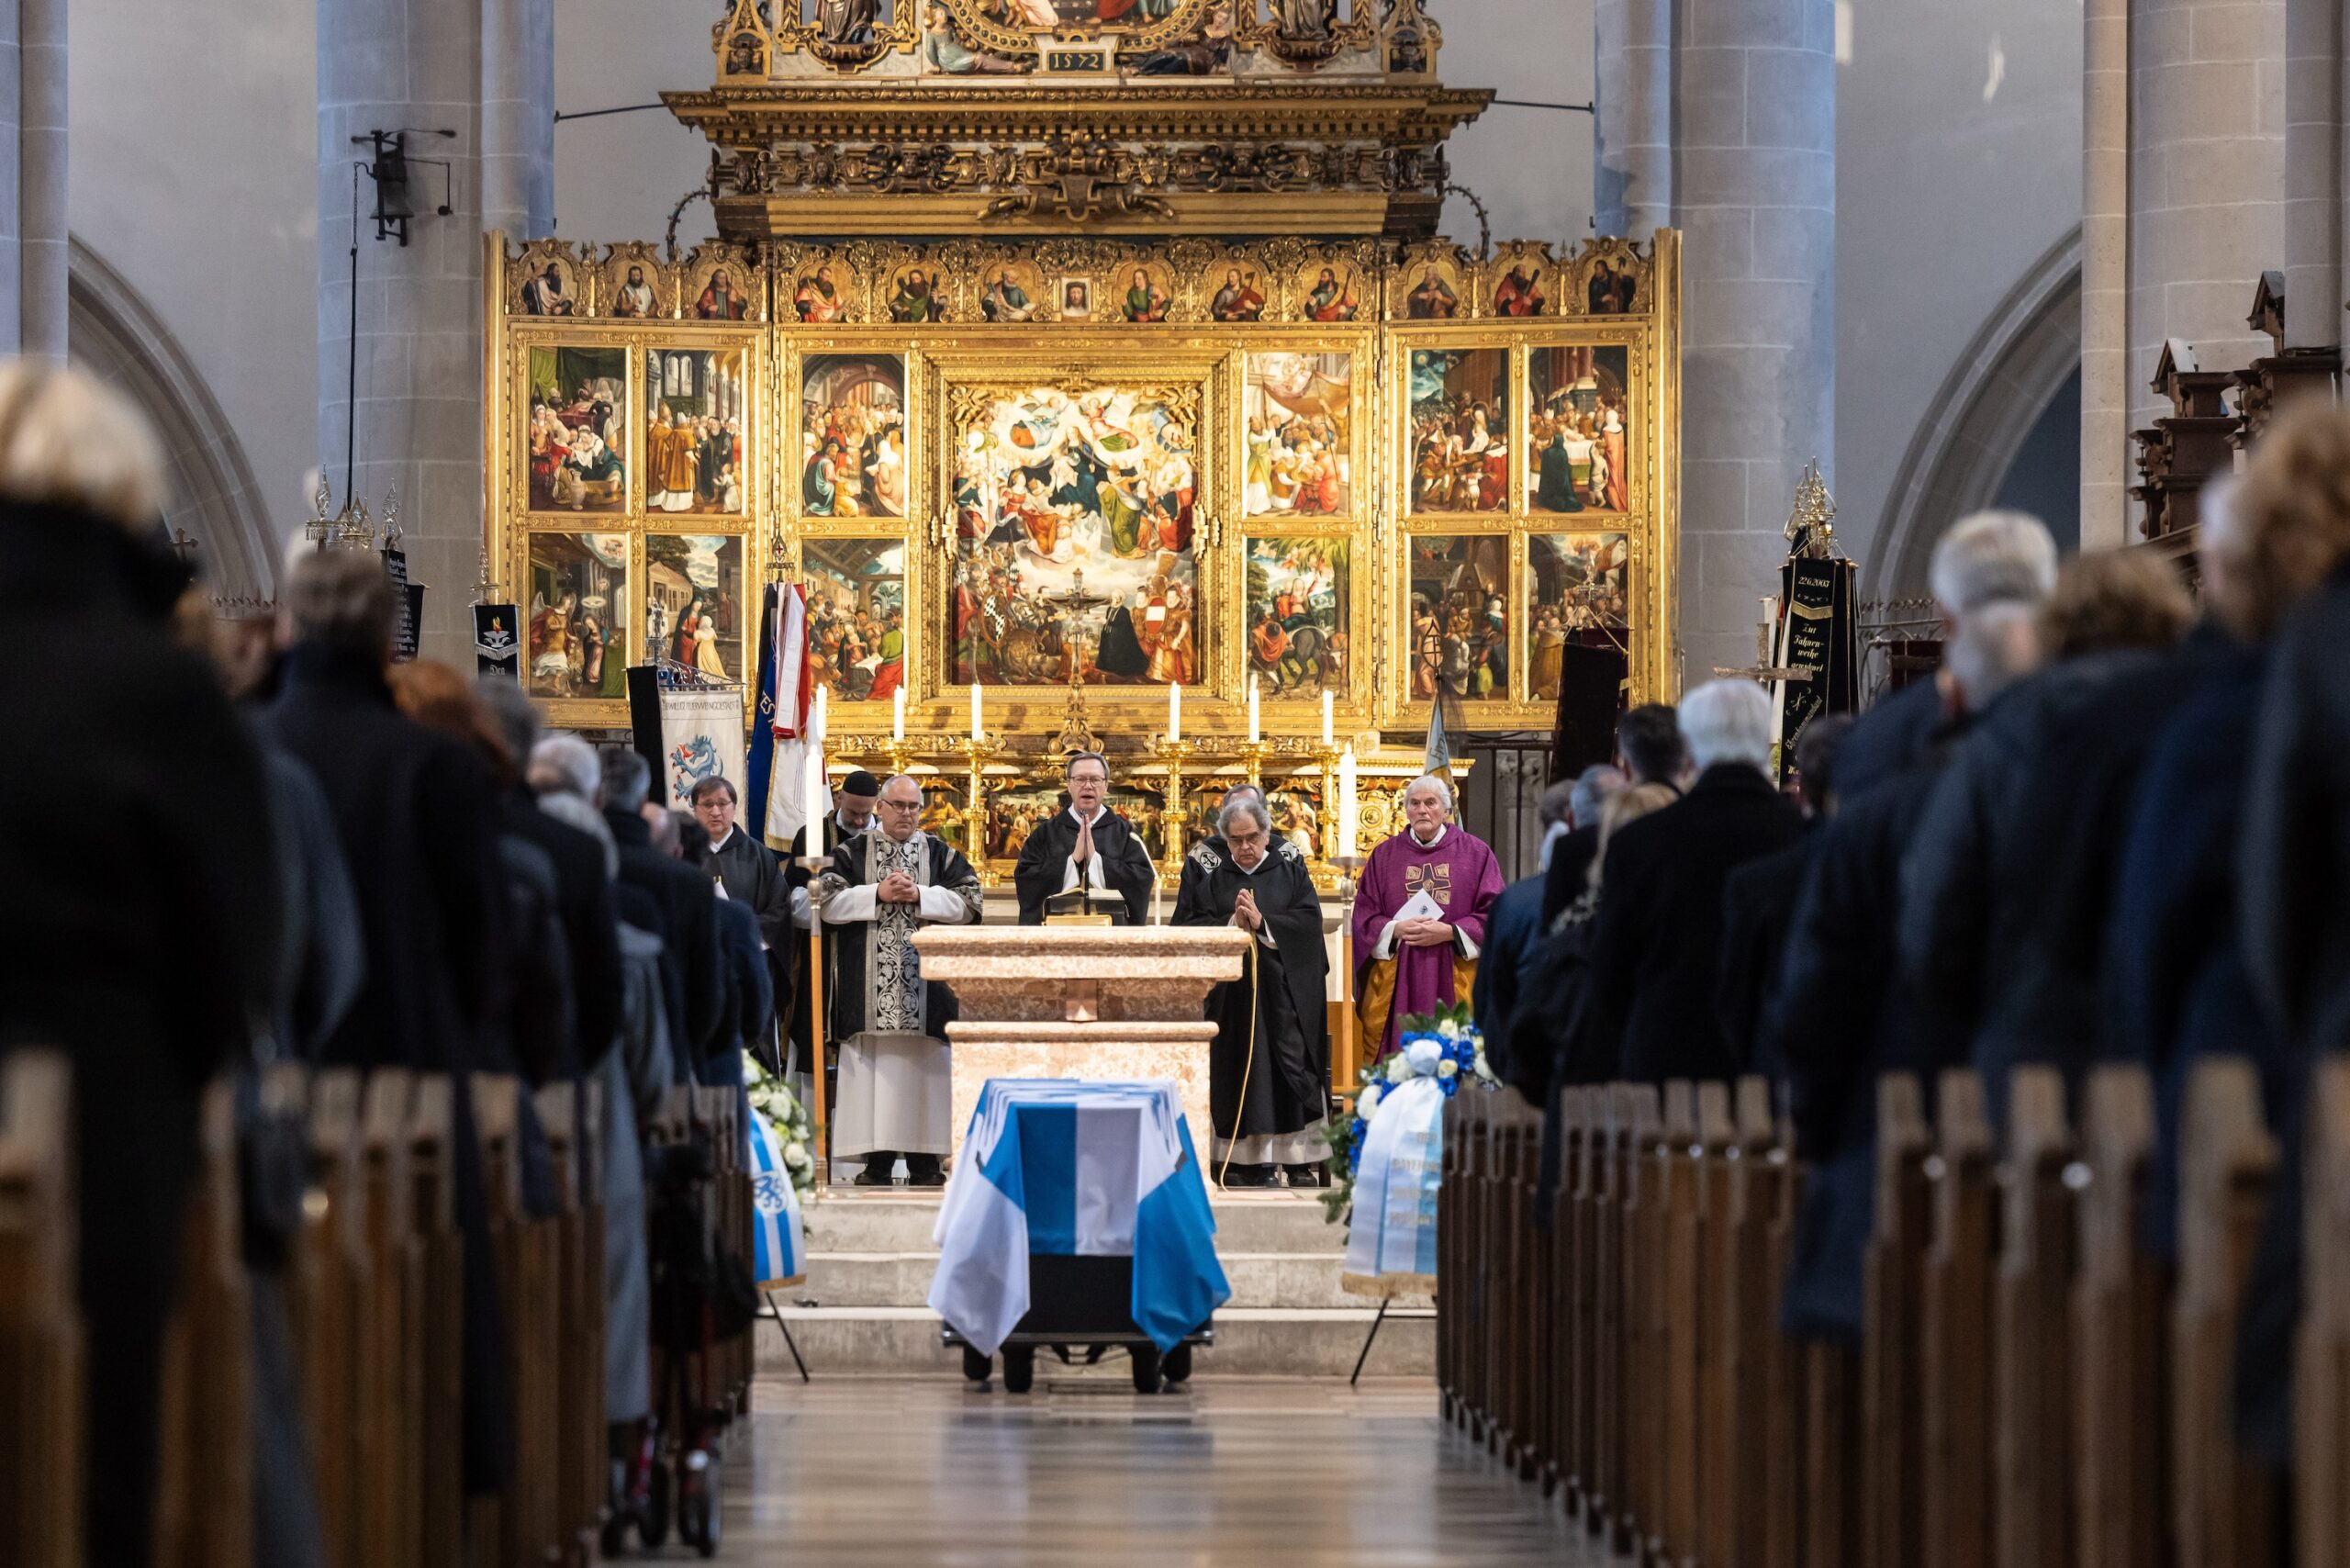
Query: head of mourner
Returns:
{"type": "Point", "coordinates": [1247, 830]}
{"type": "Point", "coordinates": [1427, 805]}
{"type": "Point", "coordinates": [1087, 776]}
{"type": "Point", "coordinates": [714, 806]}
{"type": "Point", "coordinates": [900, 807]}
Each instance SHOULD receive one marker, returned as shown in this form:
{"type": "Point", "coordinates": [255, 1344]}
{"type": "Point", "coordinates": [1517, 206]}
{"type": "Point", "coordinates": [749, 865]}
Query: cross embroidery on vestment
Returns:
{"type": "Point", "coordinates": [1436, 878]}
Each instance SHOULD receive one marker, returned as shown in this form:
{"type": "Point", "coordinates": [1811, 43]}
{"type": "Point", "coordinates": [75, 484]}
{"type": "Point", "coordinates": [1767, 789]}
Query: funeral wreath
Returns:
{"type": "Point", "coordinates": [773, 1098]}
{"type": "Point", "coordinates": [1445, 1045]}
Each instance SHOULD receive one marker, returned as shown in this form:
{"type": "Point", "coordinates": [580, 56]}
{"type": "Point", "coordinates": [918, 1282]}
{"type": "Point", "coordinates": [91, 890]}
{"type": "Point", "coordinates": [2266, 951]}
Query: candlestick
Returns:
{"type": "Point", "coordinates": [1174, 712]}
{"type": "Point", "coordinates": [1347, 821]}
{"type": "Point", "coordinates": [977, 732]}
{"type": "Point", "coordinates": [1328, 718]}
{"type": "Point", "coordinates": [898, 715]}
{"type": "Point", "coordinates": [1255, 734]}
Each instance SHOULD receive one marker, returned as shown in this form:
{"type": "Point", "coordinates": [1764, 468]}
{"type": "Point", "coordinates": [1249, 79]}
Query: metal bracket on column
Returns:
{"type": "Point", "coordinates": [389, 170]}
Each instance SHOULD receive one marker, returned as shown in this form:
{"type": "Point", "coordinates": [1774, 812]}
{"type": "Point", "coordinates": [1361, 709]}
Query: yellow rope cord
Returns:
{"type": "Point", "coordinates": [1247, 1064]}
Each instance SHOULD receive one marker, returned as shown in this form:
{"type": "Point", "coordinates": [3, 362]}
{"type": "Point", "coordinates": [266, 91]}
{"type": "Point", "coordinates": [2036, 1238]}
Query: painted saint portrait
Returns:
{"type": "Point", "coordinates": [1459, 430]}
{"type": "Point", "coordinates": [916, 297]}
{"type": "Point", "coordinates": [1609, 291]}
{"type": "Point", "coordinates": [1519, 293]}
{"type": "Point", "coordinates": [638, 294]}
{"type": "Point", "coordinates": [1074, 548]}
{"type": "Point", "coordinates": [1459, 620]}
{"type": "Point", "coordinates": [817, 297]}
{"type": "Point", "coordinates": [1577, 430]}
{"type": "Point", "coordinates": [722, 298]}
{"type": "Point", "coordinates": [1076, 299]}
{"type": "Point", "coordinates": [694, 607]}
{"type": "Point", "coordinates": [1299, 461]}
{"type": "Point", "coordinates": [1144, 299]}
{"type": "Point", "coordinates": [1432, 298]}
{"type": "Point", "coordinates": [857, 616]}
{"type": "Point", "coordinates": [574, 438]}
{"type": "Point", "coordinates": [1579, 595]}
{"type": "Point", "coordinates": [1297, 614]}
{"type": "Point", "coordinates": [1332, 295]}
{"type": "Point", "coordinates": [1237, 296]}
{"type": "Point", "coordinates": [577, 611]}
{"type": "Point", "coordinates": [853, 436]}
{"type": "Point", "coordinates": [550, 292]}
{"type": "Point", "coordinates": [697, 407]}
{"type": "Point", "coordinates": [1012, 292]}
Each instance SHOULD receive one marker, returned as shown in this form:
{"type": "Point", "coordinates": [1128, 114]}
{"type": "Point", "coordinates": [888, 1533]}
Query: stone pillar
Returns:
{"type": "Point", "coordinates": [2106, 392]}
{"type": "Point", "coordinates": [1633, 137]}
{"type": "Point", "coordinates": [471, 67]}
{"type": "Point", "coordinates": [40, 178]}
{"type": "Point", "coordinates": [1755, 193]}
{"type": "Point", "coordinates": [2312, 257]}
{"type": "Point", "coordinates": [2207, 180]}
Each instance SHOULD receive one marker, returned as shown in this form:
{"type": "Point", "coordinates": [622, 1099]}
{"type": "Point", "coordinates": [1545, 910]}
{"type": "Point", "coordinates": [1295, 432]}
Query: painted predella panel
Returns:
{"type": "Point", "coordinates": [1580, 594]}
{"type": "Point", "coordinates": [1459, 430]}
{"type": "Point", "coordinates": [694, 609]}
{"type": "Point", "coordinates": [693, 431]}
{"type": "Point", "coordinates": [857, 615]}
{"type": "Point", "coordinates": [853, 436]}
{"type": "Point", "coordinates": [1459, 615]}
{"type": "Point", "coordinates": [1578, 429]}
{"type": "Point", "coordinates": [1074, 548]}
{"type": "Point", "coordinates": [579, 584]}
{"type": "Point", "coordinates": [1296, 615]}
{"type": "Point", "coordinates": [1300, 425]}
{"type": "Point", "coordinates": [577, 432]}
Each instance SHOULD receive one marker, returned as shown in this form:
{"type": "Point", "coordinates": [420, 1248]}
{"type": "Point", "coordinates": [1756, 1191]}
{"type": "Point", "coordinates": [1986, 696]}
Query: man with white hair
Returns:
{"type": "Point", "coordinates": [1421, 914]}
{"type": "Point", "coordinates": [1987, 558]}
{"type": "Point", "coordinates": [1656, 941]}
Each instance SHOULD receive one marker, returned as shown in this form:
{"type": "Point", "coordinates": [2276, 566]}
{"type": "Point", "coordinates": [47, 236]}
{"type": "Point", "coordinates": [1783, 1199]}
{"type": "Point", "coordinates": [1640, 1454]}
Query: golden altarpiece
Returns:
{"type": "Point", "coordinates": [1083, 348]}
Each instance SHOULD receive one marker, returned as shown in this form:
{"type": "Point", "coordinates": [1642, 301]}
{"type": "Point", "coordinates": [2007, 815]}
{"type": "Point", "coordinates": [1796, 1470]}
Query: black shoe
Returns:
{"type": "Point", "coordinates": [921, 1170]}
{"type": "Point", "coordinates": [876, 1169]}
{"type": "Point", "coordinates": [1250, 1176]}
{"type": "Point", "coordinates": [1307, 1175]}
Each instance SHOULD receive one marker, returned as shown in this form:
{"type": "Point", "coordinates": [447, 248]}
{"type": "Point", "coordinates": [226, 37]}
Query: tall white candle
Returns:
{"type": "Point", "coordinates": [1174, 712]}
{"type": "Point", "coordinates": [1254, 731]}
{"type": "Point", "coordinates": [898, 715]}
{"type": "Point", "coordinates": [976, 733]}
{"type": "Point", "coordinates": [1328, 718]}
{"type": "Point", "coordinates": [1346, 820]}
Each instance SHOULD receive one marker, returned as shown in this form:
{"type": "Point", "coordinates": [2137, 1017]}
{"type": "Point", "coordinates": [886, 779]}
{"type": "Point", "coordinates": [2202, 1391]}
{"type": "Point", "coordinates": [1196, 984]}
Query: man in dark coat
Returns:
{"type": "Point", "coordinates": [148, 955]}
{"type": "Point", "coordinates": [1656, 941]}
{"type": "Point", "coordinates": [752, 877]}
{"type": "Point", "coordinates": [854, 805]}
{"type": "Point", "coordinates": [1758, 900]}
{"type": "Point", "coordinates": [1088, 844]}
{"type": "Point", "coordinates": [1269, 1067]}
{"type": "Point", "coordinates": [689, 926]}
{"type": "Point", "coordinates": [1649, 750]}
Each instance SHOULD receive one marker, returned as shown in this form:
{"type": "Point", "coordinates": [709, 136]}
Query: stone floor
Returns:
{"type": "Point", "coordinates": [1268, 1473]}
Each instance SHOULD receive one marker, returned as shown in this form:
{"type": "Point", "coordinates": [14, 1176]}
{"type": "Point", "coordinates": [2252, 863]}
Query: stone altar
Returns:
{"type": "Point", "coordinates": [1083, 1001]}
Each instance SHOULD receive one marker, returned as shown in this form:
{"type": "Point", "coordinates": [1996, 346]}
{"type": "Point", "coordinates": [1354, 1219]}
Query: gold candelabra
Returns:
{"type": "Point", "coordinates": [1252, 757]}
{"type": "Point", "coordinates": [1173, 754]}
{"type": "Point", "coordinates": [977, 752]}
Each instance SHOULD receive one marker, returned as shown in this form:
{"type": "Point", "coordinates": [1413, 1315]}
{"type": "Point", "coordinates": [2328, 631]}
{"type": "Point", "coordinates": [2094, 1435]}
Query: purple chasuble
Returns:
{"type": "Point", "coordinates": [1461, 874]}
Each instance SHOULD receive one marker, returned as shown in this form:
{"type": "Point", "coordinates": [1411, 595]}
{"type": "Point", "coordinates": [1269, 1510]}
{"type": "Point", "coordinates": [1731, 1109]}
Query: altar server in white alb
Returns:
{"type": "Point", "coordinates": [890, 1023]}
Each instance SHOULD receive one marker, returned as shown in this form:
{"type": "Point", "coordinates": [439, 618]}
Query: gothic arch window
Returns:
{"type": "Point", "coordinates": [116, 335]}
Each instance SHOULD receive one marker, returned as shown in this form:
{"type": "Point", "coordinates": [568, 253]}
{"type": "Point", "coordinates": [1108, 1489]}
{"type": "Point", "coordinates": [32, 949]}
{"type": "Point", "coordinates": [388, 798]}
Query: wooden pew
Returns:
{"type": "Point", "coordinates": [2120, 1388]}
{"type": "Point", "coordinates": [40, 1318]}
{"type": "Point", "coordinates": [1516, 1370]}
{"type": "Point", "coordinates": [2033, 1371]}
{"type": "Point", "coordinates": [391, 1496]}
{"type": "Point", "coordinates": [587, 1168]}
{"type": "Point", "coordinates": [2321, 1354]}
{"type": "Point", "coordinates": [1638, 1512]}
{"type": "Point", "coordinates": [434, 1320]}
{"type": "Point", "coordinates": [1453, 1210]}
{"type": "Point", "coordinates": [1582, 1115]}
{"type": "Point", "coordinates": [1740, 1204]}
{"type": "Point", "coordinates": [1954, 1328]}
{"type": "Point", "coordinates": [205, 1497]}
{"type": "Point", "coordinates": [1678, 1314]}
{"type": "Point", "coordinates": [1888, 1368]}
{"type": "Point", "coordinates": [2224, 1505]}
{"type": "Point", "coordinates": [516, 1529]}
{"type": "Point", "coordinates": [580, 1385]}
{"type": "Point", "coordinates": [330, 1290]}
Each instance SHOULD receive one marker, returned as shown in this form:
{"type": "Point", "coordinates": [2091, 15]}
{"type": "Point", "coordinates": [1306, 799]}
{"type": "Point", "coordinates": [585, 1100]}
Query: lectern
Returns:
{"type": "Point", "coordinates": [1083, 1001]}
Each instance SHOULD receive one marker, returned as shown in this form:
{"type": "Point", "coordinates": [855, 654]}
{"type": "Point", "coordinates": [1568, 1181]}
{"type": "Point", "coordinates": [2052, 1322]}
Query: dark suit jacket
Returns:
{"type": "Point", "coordinates": [1758, 905]}
{"type": "Point", "coordinates": [585, 895]}
{"type": "Point", "coordinates": [1656, 944]}
{"type": "Point", "coordinates": [1570, 871]}
{"type": "Point", "coordinates": [688, 933]}
{"type": "Point", "coordinates": [1513, 943]}
{"type": "Point", "coordinates": [1886, 739]}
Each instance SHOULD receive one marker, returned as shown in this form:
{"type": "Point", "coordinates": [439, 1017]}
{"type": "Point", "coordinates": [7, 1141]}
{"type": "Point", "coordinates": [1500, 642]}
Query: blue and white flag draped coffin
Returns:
{"type": "Point", "coordinates": [1065, 1167]}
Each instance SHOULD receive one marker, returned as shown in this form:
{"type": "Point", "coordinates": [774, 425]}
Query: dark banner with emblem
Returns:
{"type": "Point", "coordinates": [497, 647]}
{"type": "Point", "coordinates": [1818, 632]}
{"type": "Point", "coordinates": [407, 601]}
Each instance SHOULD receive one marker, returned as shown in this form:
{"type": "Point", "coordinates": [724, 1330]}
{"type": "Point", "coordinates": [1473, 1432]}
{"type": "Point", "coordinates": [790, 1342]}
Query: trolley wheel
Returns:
{"type": "Point", "coordinates": [613, 1537]}
{"type": "Point", "coordinates": [653, 1524]}
{"type": "Point", "coordinates": [701, 1505]}
{"type": "Point", "coordinates": [1019, 1368]}
{"type": "Point", "coordinates": [976, 1367]}
{"type": "Point", "coordinates": [1177, 1364]}
{"type": "Point", "coordinates": [1145, 1369]}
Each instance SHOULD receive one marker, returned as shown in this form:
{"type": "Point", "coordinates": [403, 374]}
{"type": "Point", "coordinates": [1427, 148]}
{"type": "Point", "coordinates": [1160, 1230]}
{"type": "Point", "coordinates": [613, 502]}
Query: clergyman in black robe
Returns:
{"type": "Point", "coordinates": [895, 1087]}
{"type": "Point", "coordinates": [1087, 844]}
{"type": "Point", "coordinates": [1269, 1063]}
{"type": "Point", "coordinates": [749, 874]}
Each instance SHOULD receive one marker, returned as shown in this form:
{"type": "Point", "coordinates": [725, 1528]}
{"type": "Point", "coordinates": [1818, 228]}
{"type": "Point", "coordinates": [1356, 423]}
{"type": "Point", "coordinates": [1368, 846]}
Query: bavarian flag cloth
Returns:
{"type": "Point", "coordinates": [1390, 1243]}
{"type": "Point", "coordinates": [1069, 1167]}
{"type": "Point", "coordinates": [780, 1250]}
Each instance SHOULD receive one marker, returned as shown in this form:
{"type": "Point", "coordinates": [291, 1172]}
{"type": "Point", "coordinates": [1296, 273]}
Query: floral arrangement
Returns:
{"type": "Point", "coordinates": [773, 1098]}
{"type": "Point", "coordinates": [1445, 1045]}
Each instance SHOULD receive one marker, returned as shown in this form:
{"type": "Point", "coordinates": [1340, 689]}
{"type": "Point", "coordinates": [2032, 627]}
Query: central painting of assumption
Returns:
{"type": "Point", "coordinates": [1074, 537]}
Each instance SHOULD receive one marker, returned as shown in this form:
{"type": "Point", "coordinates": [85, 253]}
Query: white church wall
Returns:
{"type": "Point", "coordinates": [1958, 164]}
{"type": "Point", "coordinates": [194, 172]}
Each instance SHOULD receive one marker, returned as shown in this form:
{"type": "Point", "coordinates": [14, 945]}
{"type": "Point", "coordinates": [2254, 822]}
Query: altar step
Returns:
{"type": "Point", "coordinates": [862, 1311]}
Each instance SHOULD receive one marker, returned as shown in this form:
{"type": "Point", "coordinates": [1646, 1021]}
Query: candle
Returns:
{"type": "Point", "coordinates": [1253, 733]}
{"type": "Point", "coordinates": [978, 732]}
{"type": "Point", "coordinates": [814, 780]}
{"type": "Point", "coordinates": [898, 715]}
{"type": "Point", "coordinates": [1329, 719]}
{"type": "Point", "coordinates": [1174, 712]}
{"type": "Point", "coordinates": [1346, 821]}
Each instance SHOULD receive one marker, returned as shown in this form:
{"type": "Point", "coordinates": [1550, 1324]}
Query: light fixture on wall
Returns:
{"type": "Point", "coordinates": [389, 170]}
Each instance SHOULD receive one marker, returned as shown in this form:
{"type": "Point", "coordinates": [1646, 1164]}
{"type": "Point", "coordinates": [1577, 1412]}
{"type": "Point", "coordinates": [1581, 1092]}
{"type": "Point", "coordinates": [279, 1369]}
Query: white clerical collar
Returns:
{"type": "Point", "coordinates": [1429, 843]}
{"type": "Point", "coordinates": [1099, 813]}
{"type": "Point", "coordinates": [1262, 861]}
{"type": "Point", "coordinates": [723, 842]}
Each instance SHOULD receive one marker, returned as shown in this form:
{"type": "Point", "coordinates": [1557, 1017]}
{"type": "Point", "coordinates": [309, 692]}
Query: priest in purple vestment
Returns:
{"type": "Point", "coordinates": [1408, 964]}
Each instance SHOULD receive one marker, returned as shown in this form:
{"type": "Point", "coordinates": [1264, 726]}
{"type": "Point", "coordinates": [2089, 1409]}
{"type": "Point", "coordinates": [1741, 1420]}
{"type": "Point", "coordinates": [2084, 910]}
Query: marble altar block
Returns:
{"type": "Point", "coordinates": [1082, 1001]}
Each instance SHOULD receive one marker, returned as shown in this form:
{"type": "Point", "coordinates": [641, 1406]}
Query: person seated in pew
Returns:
{"type": "Point", "coordinates": [1088, 846]}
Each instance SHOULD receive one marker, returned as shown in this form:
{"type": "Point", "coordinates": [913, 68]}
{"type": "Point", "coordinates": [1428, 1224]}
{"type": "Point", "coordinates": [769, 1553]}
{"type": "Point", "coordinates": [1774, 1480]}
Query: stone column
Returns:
{"type": "Point", "coordinates": [2207, 180]}
{"type": "Point", "coordinates": [40, 178]}
{"type": "Point", "coordinates": [1633, 137]}
{"type": "Point", "coordinates": [2313, 129]}
{"type": "Point", "coordinates": [1755, 192]}
{"type": "Point", "coordinates": [469, 66]}
{"type": "Point", "coordinates": [2106, 394]}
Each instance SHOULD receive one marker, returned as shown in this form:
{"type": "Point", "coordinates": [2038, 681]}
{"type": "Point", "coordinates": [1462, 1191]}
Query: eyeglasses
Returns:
{"type": "Point", "coordinates": [903, 805]}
